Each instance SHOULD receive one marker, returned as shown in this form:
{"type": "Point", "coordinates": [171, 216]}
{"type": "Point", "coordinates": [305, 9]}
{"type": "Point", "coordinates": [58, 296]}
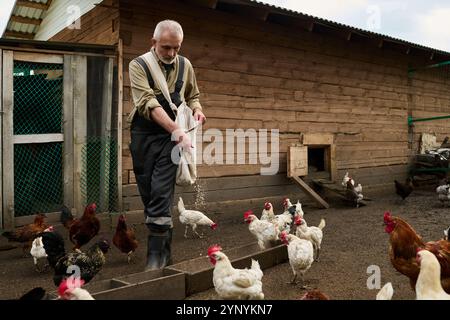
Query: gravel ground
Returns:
{"type": "Point", "coordinates": [354, 239]}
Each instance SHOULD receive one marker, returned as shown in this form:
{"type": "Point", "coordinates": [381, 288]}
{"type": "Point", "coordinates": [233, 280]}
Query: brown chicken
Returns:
{"type": "Point", "coordinates": [82, 230]}
{"type": "Point", "coordinates": [27, 233]}
{"type": "Point", "coordinates": [404, 242]}
{"type": "Point", "coordinates": [315, 295]}
{"type": "Point", "coordinates": [124, 238]}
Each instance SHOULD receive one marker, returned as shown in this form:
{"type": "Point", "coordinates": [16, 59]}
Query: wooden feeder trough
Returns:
{"type": "Point", "coordinates": [199, 271]}
{"type": "Point", "coordinates": [148, 285]}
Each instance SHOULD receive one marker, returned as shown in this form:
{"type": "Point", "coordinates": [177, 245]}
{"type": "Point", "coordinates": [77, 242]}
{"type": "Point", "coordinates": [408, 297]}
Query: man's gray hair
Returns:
{"type": "Point", "coordinates": [167, 25]}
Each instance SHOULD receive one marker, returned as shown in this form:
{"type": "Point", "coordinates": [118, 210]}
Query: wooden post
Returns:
{"type": "Point", "coordinates": [79, 70]}
{"type": "Point", "coordinates": [8, 147]}
{"type": "Point", "coordinates": [106, 132]}
{"type": "Point", "coordinates": [1, 156]}
{"type": "Point", "coordinates": [119, 124]}
{"type": "Point", "coordinates": [68, 155]}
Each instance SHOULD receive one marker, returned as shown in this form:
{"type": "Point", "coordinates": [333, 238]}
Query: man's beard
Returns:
{"type": "Point", "coordinates": [167, 61]}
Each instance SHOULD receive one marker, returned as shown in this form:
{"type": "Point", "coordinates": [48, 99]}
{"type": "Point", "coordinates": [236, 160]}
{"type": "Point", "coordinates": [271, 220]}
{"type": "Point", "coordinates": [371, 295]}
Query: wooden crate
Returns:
{"type": "Point", "coordinates": [297, 161]}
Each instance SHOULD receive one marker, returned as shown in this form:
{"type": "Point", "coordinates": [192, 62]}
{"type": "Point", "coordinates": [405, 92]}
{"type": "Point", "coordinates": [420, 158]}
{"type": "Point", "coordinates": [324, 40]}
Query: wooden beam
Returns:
{"type": "Point", "coordinates": [1, 142]}
{"type": "Point", "coordinates": [310, 192]}
{"type": "Point", "coordinates": [38, 138]}
{"type": "Point", "coordinates": [7, 136]}
{"type": "Point", "coordinates": [21, 35]}
{"type": "Point", "coordinates": [119, 122]}
{"type": "Point", "coordinates": [26, 20]}
{"type": "Point", "coordinates": [212, 4]}
{"type": "Point", "coordinates": [32, 4]}
{"type": "Point", "coordinates": [105, 172]}
{"type": "Point", "coordinates": [38, 57]}
{"type": "Point", "coordinates": [79, 67]}
{"type": "Point", "coordinates": [68, 156]}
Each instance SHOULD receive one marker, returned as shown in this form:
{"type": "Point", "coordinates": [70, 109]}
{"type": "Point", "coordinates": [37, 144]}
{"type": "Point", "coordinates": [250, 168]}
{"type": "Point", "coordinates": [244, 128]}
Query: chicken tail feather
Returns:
{"type": "Point", "coordinates": [322, 224]}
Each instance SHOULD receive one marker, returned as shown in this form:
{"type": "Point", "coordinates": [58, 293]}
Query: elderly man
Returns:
{"type": "Point", "coordinates": [154, 134]}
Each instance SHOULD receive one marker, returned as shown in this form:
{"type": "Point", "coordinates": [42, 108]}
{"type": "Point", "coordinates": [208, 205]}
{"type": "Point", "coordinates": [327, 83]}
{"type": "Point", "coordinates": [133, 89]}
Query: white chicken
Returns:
{"type": "Point", "coordinates": [428, 285]}
{"type": "Point", "coordinates": [38, 251]}
{"type": "Point", "coordinates": [70, 289]}
{"type": "Point", "coordinates": [235, 284]}
{"type": "Point", "coordinates": [287, 204]}
{"type": "Point", "coordinates": [264, 231]}
{"type": "Point", "coordinates": [346, 179]}
{"type": "Point", "coordinates": [193, 218]}
{"type": "Point", "coordinates": [446, 233]}
{"type": "Point", "coordinates": [443, 193]}
{"type": "Point", "coordinates": [284, 221]}
{"type": "Point", "coordinates": [313, 234]}
{"type": "Point", "coordinates": [298, 210]}
{"type": "Point", "coordinates": [358, 188]}
{"type": "Point", "coordinates": [386, 292]}
{"type": "Point", "coordinates": [267, 213]}
{"type": "Point", "coordinates": [300, 253]}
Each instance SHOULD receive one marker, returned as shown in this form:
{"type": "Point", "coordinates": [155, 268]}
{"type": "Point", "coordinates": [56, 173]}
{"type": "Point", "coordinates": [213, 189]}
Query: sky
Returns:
{"type": "Point", "coordinates": [418, 21]}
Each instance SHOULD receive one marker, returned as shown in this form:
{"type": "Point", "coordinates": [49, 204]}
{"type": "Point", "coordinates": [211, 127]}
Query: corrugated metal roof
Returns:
{"type": "Point", "coordinates": [25, 12]}
{"type": "Point", "coordinates": [340, 25]}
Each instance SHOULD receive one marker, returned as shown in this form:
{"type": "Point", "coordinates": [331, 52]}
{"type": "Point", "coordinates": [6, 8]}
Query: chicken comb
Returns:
{"type": "Point", "coordinates": [214, 249]}
{"type": "Point", "coordinates": [69, 283]}
{"type": "Point", "coordinates": [247, 214]}
{"type": "Point", "coordinates": [387, 217]}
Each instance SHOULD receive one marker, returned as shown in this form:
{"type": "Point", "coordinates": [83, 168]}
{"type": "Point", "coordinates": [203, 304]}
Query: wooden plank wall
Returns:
{"type": "Point", "coordinates": [260, 75]}
{"type": "Point", "coordinates": [98, 26]}
{"type": "Point", "coordinates": [254, 74]}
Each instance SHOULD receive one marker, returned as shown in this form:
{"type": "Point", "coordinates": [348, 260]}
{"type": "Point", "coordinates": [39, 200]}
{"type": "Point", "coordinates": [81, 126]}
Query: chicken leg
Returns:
{"type": "Point", "coordinates": [194, 229]}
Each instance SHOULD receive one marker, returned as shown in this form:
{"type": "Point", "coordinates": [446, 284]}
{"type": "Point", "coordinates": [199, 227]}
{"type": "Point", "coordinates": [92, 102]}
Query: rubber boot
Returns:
{"type": "Point", "coordinates": [158, 249]}
{"type": "Point", "coordinates": [166, 256]}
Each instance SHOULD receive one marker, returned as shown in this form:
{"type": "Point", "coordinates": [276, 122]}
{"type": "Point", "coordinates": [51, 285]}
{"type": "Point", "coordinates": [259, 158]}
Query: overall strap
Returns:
{"type": "Point", "coordinates": [179, 83]}
{"type": "Point", "coordinates": [141, 61]}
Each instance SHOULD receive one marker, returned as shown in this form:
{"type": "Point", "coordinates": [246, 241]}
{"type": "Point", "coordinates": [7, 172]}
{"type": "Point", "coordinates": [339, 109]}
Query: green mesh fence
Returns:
{"type": "Point", "coordinates": [99, 173]}
{"type": "Point", "coordinates": [38, 167]}
{"type": "Point", "coordinates": [38, 183]}
{"type": "Point", "coordinates": [38, 174]}
{"type": "Point", "coordinates": [38, 96]}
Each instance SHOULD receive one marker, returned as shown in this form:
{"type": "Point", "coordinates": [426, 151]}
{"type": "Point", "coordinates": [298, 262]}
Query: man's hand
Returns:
{"type": "Point", "coordinates": [199, 116]}
{"type": "Point", "coordinates": [183, 140]}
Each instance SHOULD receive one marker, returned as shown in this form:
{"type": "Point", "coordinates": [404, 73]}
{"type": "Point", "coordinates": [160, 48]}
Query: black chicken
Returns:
{"type": "Point", "coordinates": [404, 189]}
{"type": "Point", "coordinates": [89, 262]}
{"type": "Point", "coordinates": [38, 293]}
{"type": "Point", "coordinates": [352, 196]}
